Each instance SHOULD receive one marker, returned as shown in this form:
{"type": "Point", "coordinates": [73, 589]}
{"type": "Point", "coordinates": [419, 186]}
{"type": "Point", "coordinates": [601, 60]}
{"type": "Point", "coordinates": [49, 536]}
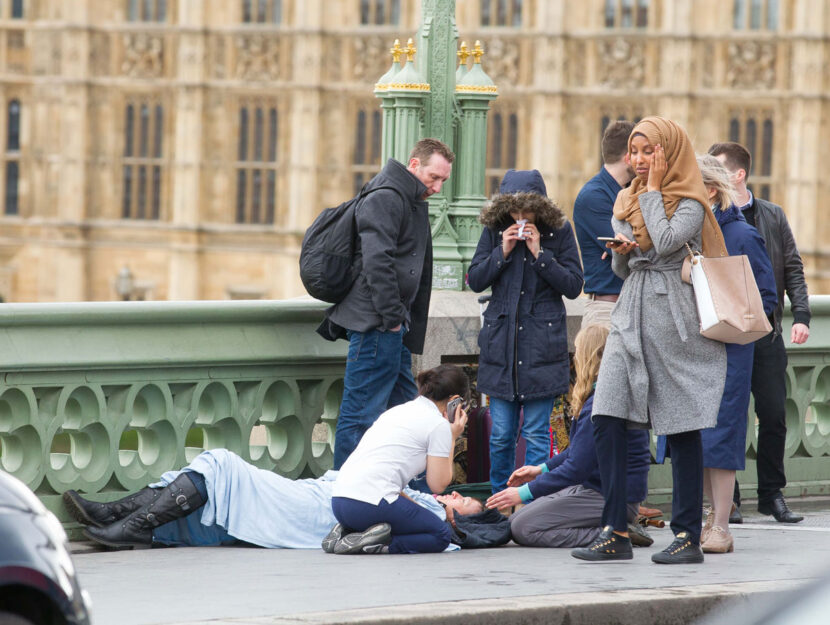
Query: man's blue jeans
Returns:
{"type": "Point", "coordinates": [535, 430]}
{"type": "Point", "coordinates": [378, 377]}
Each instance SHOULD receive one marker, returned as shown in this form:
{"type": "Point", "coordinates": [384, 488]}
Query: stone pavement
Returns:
{"type": "Point", "coordinates": [507, 585]}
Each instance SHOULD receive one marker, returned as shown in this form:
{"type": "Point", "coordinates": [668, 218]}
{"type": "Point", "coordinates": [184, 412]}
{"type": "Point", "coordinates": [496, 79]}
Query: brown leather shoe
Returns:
{"type": "Point", "coordinates": [650, 513]}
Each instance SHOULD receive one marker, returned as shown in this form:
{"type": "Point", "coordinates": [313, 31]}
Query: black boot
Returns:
{"type": "Point", "coordinates": [88, 512]}
{"type": "Point", "coordinates": [176, 500]}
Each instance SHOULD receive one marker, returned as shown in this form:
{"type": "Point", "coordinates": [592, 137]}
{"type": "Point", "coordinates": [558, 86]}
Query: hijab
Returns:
{"type": "Point", "coordinates": [682, 180]}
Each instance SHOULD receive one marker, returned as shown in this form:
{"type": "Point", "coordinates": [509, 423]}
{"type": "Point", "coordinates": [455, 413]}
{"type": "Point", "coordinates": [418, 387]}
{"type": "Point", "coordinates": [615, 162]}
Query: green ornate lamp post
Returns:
{"type": "Point", "coordinates": [429, 97]}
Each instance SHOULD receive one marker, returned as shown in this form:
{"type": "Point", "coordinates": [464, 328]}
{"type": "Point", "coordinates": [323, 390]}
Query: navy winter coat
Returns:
{"type": "Point", "coordinates": [523, 340]}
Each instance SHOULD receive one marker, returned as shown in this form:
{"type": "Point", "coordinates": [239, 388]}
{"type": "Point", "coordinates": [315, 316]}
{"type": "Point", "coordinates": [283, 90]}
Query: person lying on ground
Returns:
{"type": "Point", "coordinates": [224, 501]}
{"type": "Point", "coordinates": [564, 495]}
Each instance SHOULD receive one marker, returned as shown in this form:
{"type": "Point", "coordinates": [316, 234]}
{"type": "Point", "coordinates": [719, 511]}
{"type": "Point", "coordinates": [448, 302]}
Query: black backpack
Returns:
{"type": "Point", "coordinates": [328, 266]}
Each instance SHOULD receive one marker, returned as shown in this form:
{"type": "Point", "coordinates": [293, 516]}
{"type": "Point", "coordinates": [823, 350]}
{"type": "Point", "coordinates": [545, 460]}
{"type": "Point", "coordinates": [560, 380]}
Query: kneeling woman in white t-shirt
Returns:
{"type": "Point", "coordinates": [374, 516]}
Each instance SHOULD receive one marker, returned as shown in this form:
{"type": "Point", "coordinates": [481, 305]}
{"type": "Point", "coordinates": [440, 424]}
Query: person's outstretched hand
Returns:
{"type": "Point", "coordinates": [506, 498]}
{"type": "Point", "coordinates": [523, 475]}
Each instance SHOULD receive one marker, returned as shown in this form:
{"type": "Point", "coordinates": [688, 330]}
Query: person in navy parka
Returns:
{"type": "Point", "coordinates": [523, 340]}
{"type": "Point", "coordinates": [724, 446]}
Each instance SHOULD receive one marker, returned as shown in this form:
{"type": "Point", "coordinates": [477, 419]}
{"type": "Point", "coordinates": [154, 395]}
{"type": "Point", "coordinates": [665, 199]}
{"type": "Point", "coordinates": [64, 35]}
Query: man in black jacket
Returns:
{"type": "Point", "coordinates": [770, 362]}
{"type": "Point", "coordinates": [384, 315]}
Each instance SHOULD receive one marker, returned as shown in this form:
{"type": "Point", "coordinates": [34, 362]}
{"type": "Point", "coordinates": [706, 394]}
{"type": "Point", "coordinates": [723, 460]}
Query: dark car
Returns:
{"type": "Point", "coordinates": [38, 585]}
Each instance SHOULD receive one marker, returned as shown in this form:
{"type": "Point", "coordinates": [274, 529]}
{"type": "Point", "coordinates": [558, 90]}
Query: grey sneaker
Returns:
{"type": "Point", "coordinates": [638, 535]}
{"type": "Point", "coordinates": [333, 536]}
{"type": "Point", "coordinates": [373, 540]}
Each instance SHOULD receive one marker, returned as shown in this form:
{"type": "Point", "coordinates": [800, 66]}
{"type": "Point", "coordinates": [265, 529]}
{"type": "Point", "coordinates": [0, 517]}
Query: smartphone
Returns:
{"type": "Point", "coordinates": [610, 240]}
{"type": "Point", "coordinates": [452, 407]}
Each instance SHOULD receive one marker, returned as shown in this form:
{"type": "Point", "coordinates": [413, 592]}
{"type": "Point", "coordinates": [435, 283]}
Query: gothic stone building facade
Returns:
{"type": "Point", "coordinates": [193, 141]}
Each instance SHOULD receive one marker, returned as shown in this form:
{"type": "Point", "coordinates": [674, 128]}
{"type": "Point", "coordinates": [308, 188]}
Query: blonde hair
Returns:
{"type": "Point", "coordinates": [588, 348]}
{"type": "Point", "coordinates": [716, 176]}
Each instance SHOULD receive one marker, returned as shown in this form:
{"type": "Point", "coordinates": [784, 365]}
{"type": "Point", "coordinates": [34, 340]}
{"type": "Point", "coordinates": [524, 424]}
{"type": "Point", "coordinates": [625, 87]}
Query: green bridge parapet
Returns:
{"type": "Point", "coordinates": [105, 397]}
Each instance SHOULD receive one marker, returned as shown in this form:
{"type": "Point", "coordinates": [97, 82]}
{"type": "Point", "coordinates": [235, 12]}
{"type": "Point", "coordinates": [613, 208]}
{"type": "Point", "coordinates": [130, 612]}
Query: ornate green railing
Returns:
{"type": "Point", "coordinates": [807, 452]}
{"type": "Point", "coordinates": [104, 397]}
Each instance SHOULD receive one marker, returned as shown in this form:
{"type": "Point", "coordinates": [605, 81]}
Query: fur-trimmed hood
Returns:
{"type": "Point", "coordinates": [496, 212]}
{"type": "Point", "coordinates": [523, 190]}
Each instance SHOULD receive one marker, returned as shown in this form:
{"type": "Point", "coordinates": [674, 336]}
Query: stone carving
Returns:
{"type": "Point", "coordinates": [217, 56]}
{"type": "Point", "coordinates": [575, 62]}
{"type": "Point", "coordinates": [257, 57]}
{"type": "Point", "coordinates": [751, 64]}
{"type": "Point", "coordinates": [99, 54]}
{"type": "Point", "coordinates": [143, 55]}
{"type": "Point", "coordinates": [502, 62]}
{"type": "Point", "coordinates": [621, 62]}
{"type": "Point", "coordinates": [371, 58]}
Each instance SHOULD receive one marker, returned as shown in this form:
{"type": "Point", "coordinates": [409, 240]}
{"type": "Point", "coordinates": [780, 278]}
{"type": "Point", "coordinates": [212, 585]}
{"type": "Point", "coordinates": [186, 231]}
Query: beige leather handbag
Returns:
{"type": "Point", "coordinates": [728, 301]}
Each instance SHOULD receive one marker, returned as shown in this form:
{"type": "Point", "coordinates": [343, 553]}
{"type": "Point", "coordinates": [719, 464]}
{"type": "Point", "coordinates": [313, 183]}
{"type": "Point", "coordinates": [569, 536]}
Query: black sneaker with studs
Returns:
{"type": "Point", "coordinates": [681, 551]}
{"type": "Point", "coordinates": [607, 546]}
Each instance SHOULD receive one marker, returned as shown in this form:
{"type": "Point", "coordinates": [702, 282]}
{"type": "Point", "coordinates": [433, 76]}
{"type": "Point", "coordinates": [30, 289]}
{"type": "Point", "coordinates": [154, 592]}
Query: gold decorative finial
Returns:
{"type": "Point", "coordinates": [410, 51]}
{"type": "Point", "coordinates": [478, 52]}
{"type": "Point", "coordinates": [463, 53]}
{"type": "Point", "coordinates": [396, 51]}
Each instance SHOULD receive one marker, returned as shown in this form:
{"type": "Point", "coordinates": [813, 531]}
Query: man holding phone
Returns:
{"type": "Point", "coordinates": [592, 220]}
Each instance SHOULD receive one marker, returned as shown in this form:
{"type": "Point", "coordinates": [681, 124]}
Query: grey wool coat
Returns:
{"type": "Point", "coordinates": [657, 368]}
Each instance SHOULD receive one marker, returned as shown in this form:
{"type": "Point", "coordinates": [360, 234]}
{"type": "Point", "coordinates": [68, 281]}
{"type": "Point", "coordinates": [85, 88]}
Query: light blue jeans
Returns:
{"type": "Point", "coordinates": [535, 431]}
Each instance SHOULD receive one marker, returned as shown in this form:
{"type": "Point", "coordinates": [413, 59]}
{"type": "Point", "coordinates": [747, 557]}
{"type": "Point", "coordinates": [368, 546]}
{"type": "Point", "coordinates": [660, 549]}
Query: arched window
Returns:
{"type": "Point", "coordinates": [380, 12]}
{"type": "Point", "coordinates": [261, 11]}
{"type": "Point", "coordinates": [502, 146]}
{"type": "Point", "coordinates": [146, 10]}
{"type": "Point", "coordinates": [256, 166]}
{"type": "Point", "coordinates": [626, 13]}
{"type": "Point", "coordinates": [501, 12]}
{"type": "Point", "coordinates": [755, 14]}
{"type": "Point", "coordinates": [755, 132]}
{"type": "Point", "coordinates": [13, 132]}
{"type": "Point", "coordinates": [143, 162]}
{"type": "Point", "coordinates": [367, 145]}
{"type": "Point", "coordinates": [12, 202]}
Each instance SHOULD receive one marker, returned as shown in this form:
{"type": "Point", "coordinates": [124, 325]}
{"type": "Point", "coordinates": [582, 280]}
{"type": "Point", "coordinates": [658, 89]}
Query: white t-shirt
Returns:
{"type": "Point", "coordinates": [393, 451]}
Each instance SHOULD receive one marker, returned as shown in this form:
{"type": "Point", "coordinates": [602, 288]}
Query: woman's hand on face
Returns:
{"type": "Point", "coordinates": [658, 168]}
{"type": "Point", "coordinates": [508, 239]}
{"type": "Point", "coordinates": [524, 474]}
{"type": "Point", "coordinates": [533, 239]}
{"type": "Point", "coordinates": [506, 498]}
{"type": "Point", "coordinates": [457, 426]}
{"type": "Point", "coordinates": [625, 245]}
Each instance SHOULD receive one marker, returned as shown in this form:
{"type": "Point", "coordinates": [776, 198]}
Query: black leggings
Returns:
{"type": "Point", "coordinates": [687, 475]}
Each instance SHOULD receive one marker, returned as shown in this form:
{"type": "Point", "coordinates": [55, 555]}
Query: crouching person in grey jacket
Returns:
{"type": "Point", "coordinates": [384, 315]}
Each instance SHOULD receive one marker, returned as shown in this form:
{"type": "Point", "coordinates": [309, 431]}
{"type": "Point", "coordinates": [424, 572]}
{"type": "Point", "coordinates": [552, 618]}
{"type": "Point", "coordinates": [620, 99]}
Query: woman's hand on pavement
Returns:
{"type": "Point", "coordinates": [524, 474]}
{"type": "Point", "coordinates": [506, 498]}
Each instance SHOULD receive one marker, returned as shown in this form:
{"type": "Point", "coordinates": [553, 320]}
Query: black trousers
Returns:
{"type": "Point", "coordinates": [769, 389]}
{"type": "Point", "coordinates": [687, 475]}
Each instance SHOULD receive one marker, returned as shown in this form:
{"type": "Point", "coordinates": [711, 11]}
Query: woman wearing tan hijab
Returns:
{"type": "Point", "coordinates": [658, 371]}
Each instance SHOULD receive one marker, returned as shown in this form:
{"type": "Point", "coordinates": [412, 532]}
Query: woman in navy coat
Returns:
{"type": "Point", "coordinates": [724, 446]}
{"type": "Point", "coordinates": [523, 340]}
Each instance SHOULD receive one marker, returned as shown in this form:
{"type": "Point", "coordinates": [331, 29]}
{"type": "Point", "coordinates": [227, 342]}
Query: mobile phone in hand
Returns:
{"type": "Point", "coordinates": [452, 408]}
{"type": "Point", "coordinates": [610, 240]}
